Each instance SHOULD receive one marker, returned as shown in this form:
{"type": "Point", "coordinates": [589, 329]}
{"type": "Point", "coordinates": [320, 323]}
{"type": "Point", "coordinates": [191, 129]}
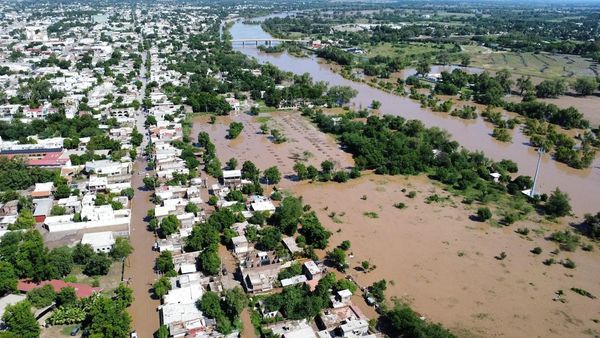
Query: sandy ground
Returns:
{"type": "Point", "coordinates": [252, 145]}
{"type": "Point", "coordinates": [443, 264]}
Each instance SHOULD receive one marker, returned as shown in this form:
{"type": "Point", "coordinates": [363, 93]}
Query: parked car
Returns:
{"type": "Point", "coordinates": [75, 330]}
{"type": "Point", "coordinates": [134, 334]}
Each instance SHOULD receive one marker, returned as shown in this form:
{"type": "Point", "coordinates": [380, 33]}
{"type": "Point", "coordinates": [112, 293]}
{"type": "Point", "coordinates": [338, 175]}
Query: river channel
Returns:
{"type": "Point", "coordinates": [581, 185]}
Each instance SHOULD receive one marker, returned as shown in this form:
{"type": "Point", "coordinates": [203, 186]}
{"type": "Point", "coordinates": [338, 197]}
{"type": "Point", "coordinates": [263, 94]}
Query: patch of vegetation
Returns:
{"type": "Point", "coordinates": [371, 214]}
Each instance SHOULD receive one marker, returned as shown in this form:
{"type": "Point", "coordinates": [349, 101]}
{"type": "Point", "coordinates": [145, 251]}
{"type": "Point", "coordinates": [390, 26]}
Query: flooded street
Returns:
{"type": "Point", "coordinates": [139, 266]}
{"type": "Point", "coordinates": [581, 185]}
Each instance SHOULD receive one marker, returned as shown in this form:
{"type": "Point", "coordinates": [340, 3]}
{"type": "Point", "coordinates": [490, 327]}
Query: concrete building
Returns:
{"type": "Point", "coordinates": [99, 241]}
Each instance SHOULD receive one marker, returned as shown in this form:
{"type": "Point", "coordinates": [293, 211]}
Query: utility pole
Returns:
{"type": "Point", "coordinates": [532, 193]}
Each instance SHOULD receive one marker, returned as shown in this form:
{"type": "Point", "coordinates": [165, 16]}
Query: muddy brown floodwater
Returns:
{"type": "Point", "coordinates": [581, 185]}
{"type": "Point", "coordinates": [304, 141]}
{"type": "Point", "coordinates": [139, 266]}
{"type": "Point", "coordinates": [443, 263]}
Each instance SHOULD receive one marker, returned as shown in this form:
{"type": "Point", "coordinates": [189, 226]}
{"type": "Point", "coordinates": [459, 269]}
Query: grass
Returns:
{"type": "Point", "coordinates": [541, 65]}
{"type": "Point", "coordinates": [402, 49]}
{"type": "Point", "coordinates": [371, 214]}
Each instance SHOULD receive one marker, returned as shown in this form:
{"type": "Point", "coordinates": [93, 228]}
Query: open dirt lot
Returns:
{"type": "Point", "coordinates": [443, 263]}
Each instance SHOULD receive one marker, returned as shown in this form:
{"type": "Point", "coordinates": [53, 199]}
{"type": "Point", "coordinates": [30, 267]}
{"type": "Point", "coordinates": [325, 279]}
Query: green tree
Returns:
{"type": "Point", "coordinates": [107, 318]}
{"type": "Point", "coordinates": [209, 262]}
{"type": "Point", "coordinates": [484, 213]}
{"type": "Point", "coordinates": [24, 221]}
{"type": "Point", "coordinates": [124, 295]}
{"type": "Point", "coordinates": [423, 68]}
{"type": "Point", "coordinates": [272, 175]}
{"type": "Point", "coordinates": [584, 85]}
{"type": "Point", "coordinates": [82, 253]}
{"type": "Point", "coordinates": [62, 191]}
{"type": "Point", "coordinates": [60, 262]}
{"type": "Point", "coordinates": [42, 296]}
{"type": "Point", "coordinates": [121, 249]}
{"type": "Point", "coordinates": [232, 163]}
{"type": "Point", "coordinates": [301, 172]}
{"type": "Point", "coordinates": [192, 207]}
{"type": "Point", "coordinates": [235, 128]}
{"type": "Point", "coordinates": [161, 287]}
{"type": "Point", "coordinates": [338, 257]}
{"type": "Point", "coordinates": [169, 225]}
{"type": "Point", "coordinates": [164, 262]}
{"type": "Point", "coordinates": [270, 238]}
{"type": "Point", "coordinates": [558, 204]}
{"type": "Point", "coordinates": [97, 265]}
{"type": "Point", "coordinates": [525, 85]}
{"type": "Point", "coordinates": [250, 171]}
{"type": "Point", "coordinates": [8, 278]}
{"type": "Point", "coordinates": [314, 232]}
{"type": "Point", "coordinates": [287, 215]}
{"type": "Point", "coordinates": [20, 320]}
{"type": "Point", "coordinates": [66, 296]}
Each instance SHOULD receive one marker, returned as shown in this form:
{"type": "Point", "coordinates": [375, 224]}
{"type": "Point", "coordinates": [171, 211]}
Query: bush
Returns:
{"type": "Point", "coordinates": [41, 297]}
{"type": "Point", "coordinates": [569, 264]}
{"type": "Point", "coordinates": [558, 204]}
{"type": "Point", "coordinates": [484, 214]}
{"type": "Point", "coordinates": [536, 251]}
{"type": "Point", "coordinates": [523, 231]}
{"type": "Point", "coordinates": [567, 240]}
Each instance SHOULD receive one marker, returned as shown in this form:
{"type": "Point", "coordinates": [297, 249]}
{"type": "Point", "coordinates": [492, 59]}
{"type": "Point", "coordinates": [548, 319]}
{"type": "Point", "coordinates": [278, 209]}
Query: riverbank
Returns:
{"type": "Point", "coordinates": [581, 185]}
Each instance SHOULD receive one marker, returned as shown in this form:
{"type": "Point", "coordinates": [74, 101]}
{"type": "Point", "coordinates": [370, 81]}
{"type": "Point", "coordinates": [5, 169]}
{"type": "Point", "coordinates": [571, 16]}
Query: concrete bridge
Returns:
{"type": "Point", "coordinates": [266, 41]}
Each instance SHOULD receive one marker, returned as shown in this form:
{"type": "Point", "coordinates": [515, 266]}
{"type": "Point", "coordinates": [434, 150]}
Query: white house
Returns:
{"type": "Point", "coordinates": [100, 241]}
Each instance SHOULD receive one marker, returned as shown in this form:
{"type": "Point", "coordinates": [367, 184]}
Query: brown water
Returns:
{"type": "Point", "coordinates": [139, 268]}
{"type": "Point", "coordinates": [581, 185]}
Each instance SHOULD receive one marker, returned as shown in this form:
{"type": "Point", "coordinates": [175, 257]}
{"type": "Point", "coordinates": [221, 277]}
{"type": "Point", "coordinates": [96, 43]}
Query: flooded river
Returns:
{"type": "Point", "coordinates": [581, 185]}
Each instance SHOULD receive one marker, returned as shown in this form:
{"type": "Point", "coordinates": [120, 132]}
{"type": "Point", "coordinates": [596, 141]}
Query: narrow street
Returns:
{"type": "Point", "coordinates": [139, 268]}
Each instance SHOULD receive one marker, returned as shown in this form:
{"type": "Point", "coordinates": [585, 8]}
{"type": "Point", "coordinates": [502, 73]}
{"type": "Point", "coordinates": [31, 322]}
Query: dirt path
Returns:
{"type": "Point", "coordinates": [248, 330]}
{"type": "Point", "coordinates": [139, 267]}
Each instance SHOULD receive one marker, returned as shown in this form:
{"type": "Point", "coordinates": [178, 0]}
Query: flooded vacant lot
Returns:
{"type": "Point", "coordinates": [443, 263]}
{"type": "Point", "coordinates": [304, 141]}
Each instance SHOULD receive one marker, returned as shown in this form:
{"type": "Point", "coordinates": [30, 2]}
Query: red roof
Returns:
{"type": "Point", "coordinates": [82, 290]}
{"type": "Point", "coordinates": [50, 159]}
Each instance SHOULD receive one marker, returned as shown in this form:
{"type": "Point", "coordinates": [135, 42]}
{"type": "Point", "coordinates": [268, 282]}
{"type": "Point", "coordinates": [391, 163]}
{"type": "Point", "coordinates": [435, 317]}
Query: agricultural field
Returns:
{"type": "Point", "coordinates": [542, 65]}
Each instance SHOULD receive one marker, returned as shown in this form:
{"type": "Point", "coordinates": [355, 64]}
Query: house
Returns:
{"type": "Point", "coordinates": [179, 311]}
{"type": "Point", "coordinates": [292, 329]}
{"type": "Point", "coordinates": [263, 206]}
{"type": "Point", "coordinates": [42, 209]}
{"type": "Point", "coordinates": [42, 190]}
{"type": "Point", "coordinates": [260, 279]}
{"type": "Point", "coordinates": [291, 245]}
{"type": "Point", "coordinates": [99, 241]}
{"type": "Point", "coordinates": [240, 244]}
{"type": "Point", "coordinates": [81, 290]}
{"type": "Point", "coordinates": [312, 270]}
{"type": "Point", "coordinates": [293, 280]}
{"type": "Point", "coordinates": [7, 300]}
{"type": "Point", "coordinates": [97, 183]}
{"type": "Point", "coordinates": [108, 168]}
{"type": "Point", "coordinates": [232, 178]}
{"type": "Point", "coordinates": [495, 177]}
{"type": "Point", "coordinates": [9, 208]}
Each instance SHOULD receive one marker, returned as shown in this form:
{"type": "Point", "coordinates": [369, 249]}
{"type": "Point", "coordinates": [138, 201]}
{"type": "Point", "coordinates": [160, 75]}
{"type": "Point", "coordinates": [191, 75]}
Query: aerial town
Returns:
{"type": "Point", "coordinates": [299, 169]}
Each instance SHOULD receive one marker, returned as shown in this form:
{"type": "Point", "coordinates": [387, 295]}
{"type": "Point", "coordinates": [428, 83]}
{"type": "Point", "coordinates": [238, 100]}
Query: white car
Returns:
{"type": "Point", "coordinates": [134, 334]}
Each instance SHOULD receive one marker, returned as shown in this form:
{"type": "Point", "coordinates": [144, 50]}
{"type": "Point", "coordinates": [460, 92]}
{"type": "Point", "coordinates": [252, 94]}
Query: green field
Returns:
{"type": "Point", "coordinates": [543, 65]}
{"type": "Point", "coordinates": [404, 49]}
